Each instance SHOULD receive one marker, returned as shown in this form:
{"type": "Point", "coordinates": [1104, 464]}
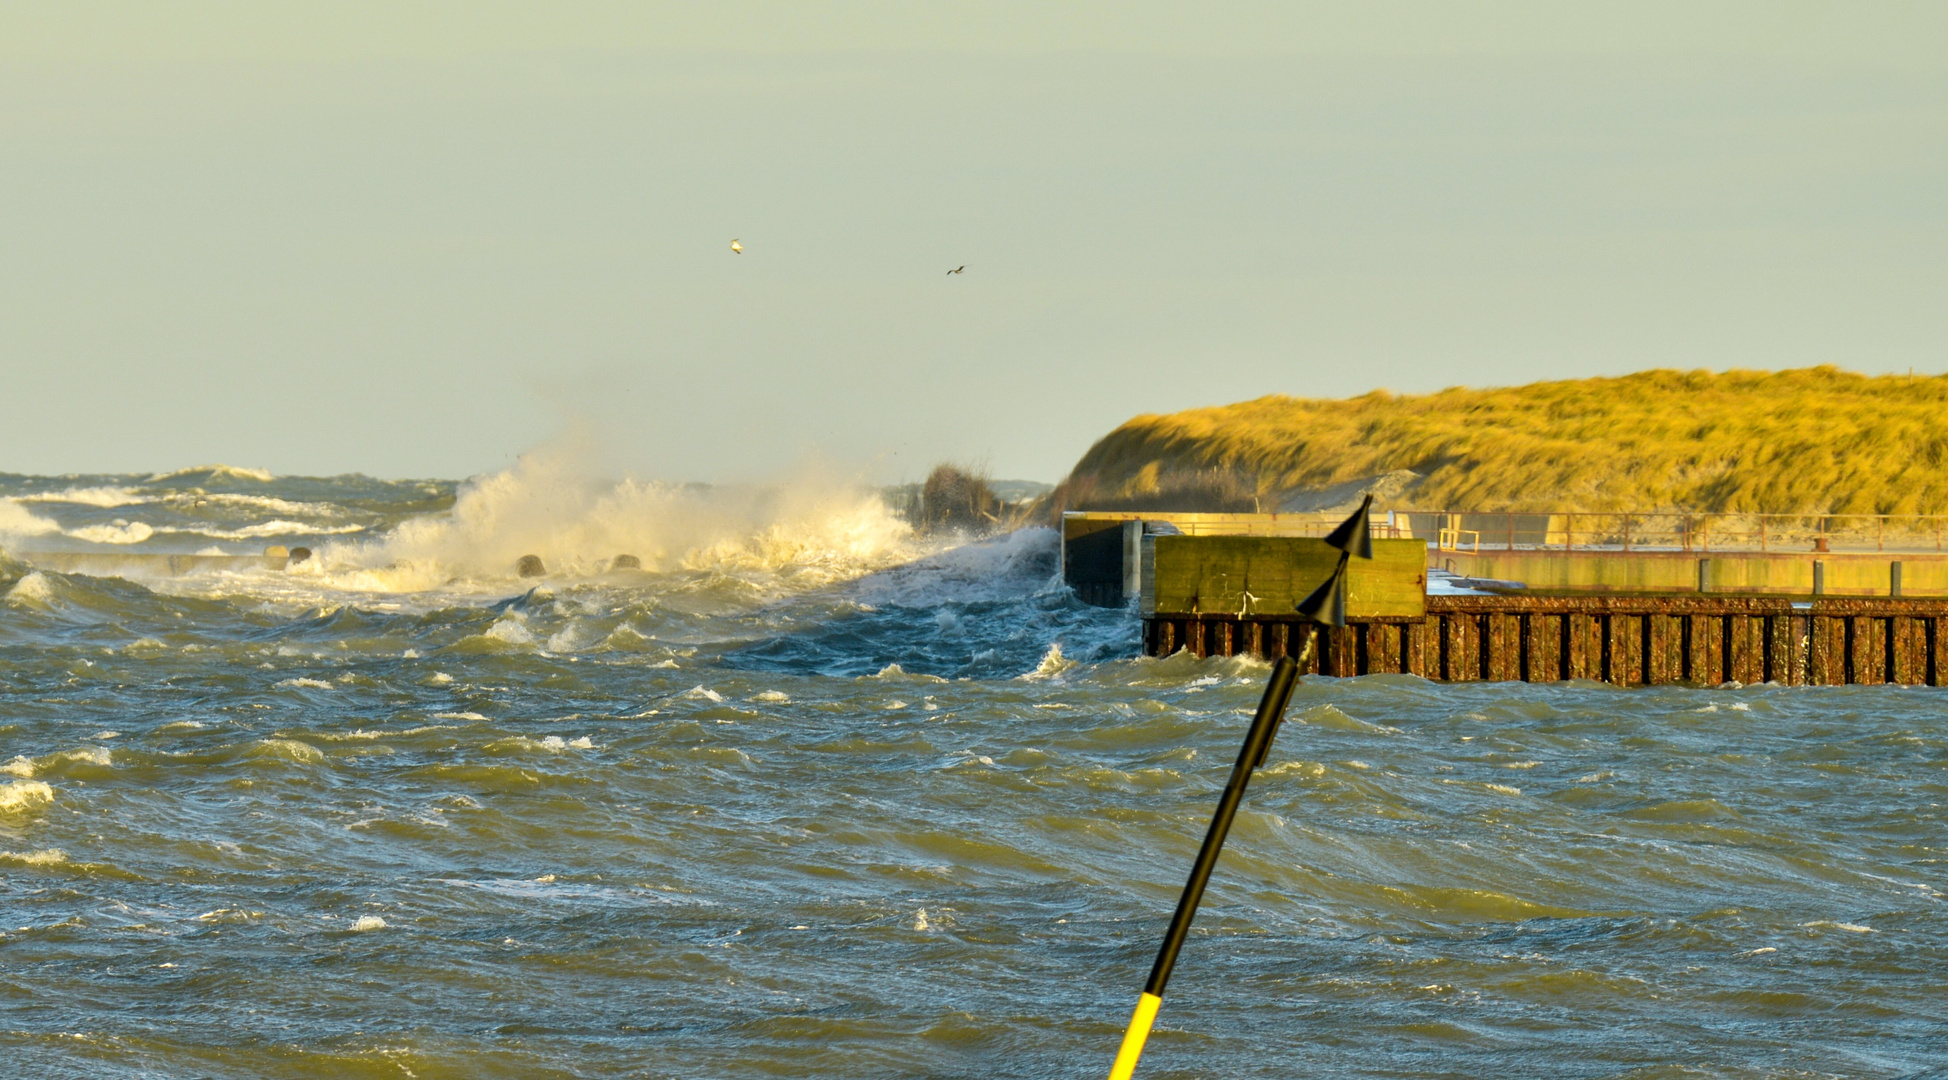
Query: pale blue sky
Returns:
{"type": "Point", "coordinates": [417, 239]}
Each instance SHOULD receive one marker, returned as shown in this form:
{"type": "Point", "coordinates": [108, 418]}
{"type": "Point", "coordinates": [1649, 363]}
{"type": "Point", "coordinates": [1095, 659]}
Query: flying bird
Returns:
{"type": "Point", "coordinates": [736, 248]}
{"type": "Point", "coordinates": [958, 269]}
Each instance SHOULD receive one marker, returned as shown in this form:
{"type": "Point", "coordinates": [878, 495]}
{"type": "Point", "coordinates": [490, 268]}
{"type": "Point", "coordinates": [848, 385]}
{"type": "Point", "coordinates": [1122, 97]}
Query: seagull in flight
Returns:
{"type": "Point", "coordinates": [736, 248]}
{"type": "Point", "coordinates": [958, 269]}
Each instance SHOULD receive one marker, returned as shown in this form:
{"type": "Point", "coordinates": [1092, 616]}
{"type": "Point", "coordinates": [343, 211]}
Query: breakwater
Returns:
{"type": "Point", "coordinates": [1623, 640]}
{"type": "Point", "coordinates": [1219, 595]}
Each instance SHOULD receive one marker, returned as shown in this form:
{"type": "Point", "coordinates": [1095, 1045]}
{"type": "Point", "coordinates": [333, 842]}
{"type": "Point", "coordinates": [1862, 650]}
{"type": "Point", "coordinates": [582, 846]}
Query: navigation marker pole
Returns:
{"type": "Point", "coordinates": [1325, 606]}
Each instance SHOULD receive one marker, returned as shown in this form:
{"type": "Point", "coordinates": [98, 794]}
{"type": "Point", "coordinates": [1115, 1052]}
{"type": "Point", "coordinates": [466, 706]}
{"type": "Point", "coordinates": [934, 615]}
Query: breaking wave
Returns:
{"type": "Point", "coordinates": [215, 472]}
{"type": "Point", "coordinates": [796, 536]}
{"type": "Point", "coordinates": [17, 520]}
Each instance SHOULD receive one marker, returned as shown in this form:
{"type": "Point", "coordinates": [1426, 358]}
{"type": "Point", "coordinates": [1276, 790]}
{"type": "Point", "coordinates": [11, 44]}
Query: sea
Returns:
{"type": "Point", "coordinates": [805, 794]}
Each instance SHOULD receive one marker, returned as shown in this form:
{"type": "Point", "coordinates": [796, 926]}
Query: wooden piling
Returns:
{"type": "Point", "coordinates": [1624, 640]}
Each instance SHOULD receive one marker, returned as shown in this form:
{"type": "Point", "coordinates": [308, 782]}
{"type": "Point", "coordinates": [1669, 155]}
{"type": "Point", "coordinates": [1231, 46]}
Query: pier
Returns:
{"type": "Point", "coordinates": [1228, 585]}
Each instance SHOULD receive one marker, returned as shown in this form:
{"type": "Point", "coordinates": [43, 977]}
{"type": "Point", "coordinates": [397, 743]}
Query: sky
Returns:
{"type": "Point", "coordinates": [420, 239]}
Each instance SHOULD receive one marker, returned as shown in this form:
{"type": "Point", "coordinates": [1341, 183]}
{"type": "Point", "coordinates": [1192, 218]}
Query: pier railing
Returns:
{"type": "Point", "coordinates": [1650, 531]}
{"type": "Point", "coordinates": [1668, 531]}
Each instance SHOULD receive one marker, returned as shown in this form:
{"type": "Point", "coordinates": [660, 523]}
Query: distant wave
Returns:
{"type": "Point", "coordinates": [213, 471]}
{"type": "Point", "coordinates": [103, 497]}
{"type": "Point", "coordinates": [253, 502]}
{"type": "Point", "coordinates": [268, 528]}
{"type": "Point", "coordinates": [129, 532]}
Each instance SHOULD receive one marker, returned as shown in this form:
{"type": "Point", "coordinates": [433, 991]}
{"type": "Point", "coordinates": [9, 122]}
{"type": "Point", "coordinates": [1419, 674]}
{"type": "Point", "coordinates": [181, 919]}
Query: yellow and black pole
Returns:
{"type": "Point", "coordinates": [1257, 741]}
{"type": "Point", "coordinates": [1327, 606]}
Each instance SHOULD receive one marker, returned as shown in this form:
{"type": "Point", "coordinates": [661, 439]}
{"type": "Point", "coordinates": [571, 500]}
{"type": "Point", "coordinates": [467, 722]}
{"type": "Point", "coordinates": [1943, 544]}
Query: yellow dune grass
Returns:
{"type": "Point", "coordinates": [1817, 440]}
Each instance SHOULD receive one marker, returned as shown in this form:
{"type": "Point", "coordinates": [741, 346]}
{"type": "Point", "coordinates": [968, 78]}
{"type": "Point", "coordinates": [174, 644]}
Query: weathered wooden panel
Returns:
{"type": "Point", "coordinates": [1502, 642]}
{"type": "Point", "coordinates": [1746, 648]}
{"type": "Point", "coordinates": [1463, 633]}
{"type": "Point", "coordinates": [1342, 650]}
{"type": "Point", "coordinates": [1542, 648]}
{"type": "Point", "coordinates": [1583, 647]}
{"type": "Point", "coordinates": [1910, 651]}
{"type": "Point", "coordinates": [1269, 575]}
{"type": "Point", "coordinates": [1937, 652]}
{"type": "Point", "coordinates": [1802, 649]}
{"type": "Point", "coordinates": [1418, 644]}
{"type": "Point", "coordinates": [1826, 655]}
{"type": "Point", "coordinates": [1707, 650]}
{"type": "Point", "coordinates": [1383, 648]}
{"type": "Point", "coordinates": [1664, 649]}
{"type": "Point", "coordinates": [1624, 642]}
{"type": "Point", "coordinates": [1866, 650]}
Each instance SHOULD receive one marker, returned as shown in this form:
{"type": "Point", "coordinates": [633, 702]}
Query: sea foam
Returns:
{"type": "Point", "coordinates": [20, 797]}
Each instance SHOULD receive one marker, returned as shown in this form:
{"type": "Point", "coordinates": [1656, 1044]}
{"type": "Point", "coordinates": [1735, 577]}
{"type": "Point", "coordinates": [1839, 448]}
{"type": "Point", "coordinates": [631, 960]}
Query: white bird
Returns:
{"type": "Point", "coordinates": [736, 248]}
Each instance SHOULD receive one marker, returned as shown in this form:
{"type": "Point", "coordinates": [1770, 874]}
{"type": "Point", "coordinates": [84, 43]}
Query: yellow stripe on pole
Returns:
{"type": "Point", "coordinates": [1134, 1038]}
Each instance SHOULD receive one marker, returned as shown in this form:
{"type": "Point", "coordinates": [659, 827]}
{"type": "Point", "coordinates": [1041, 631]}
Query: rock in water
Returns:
{"type": "Point", "coordinates": [530, 566]}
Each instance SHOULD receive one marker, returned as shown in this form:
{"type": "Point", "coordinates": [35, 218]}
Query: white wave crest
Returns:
{"type": "Point", "coordinates": [267, 528]}
{"type": "Point", "coordinates": [34, 588]}
{"type": "Point", "coordinates": [128, 532]}
{"type": "Point", "coordinates": [101, 497]}
{"type": "Point", "coordinates": [230, 472]}
{"type": "Point", "coordinates": [254, 502]}
{"type": "Point", "coordinates": [1053, 664]}
{"type": "Point", "coordinates": [20, 797]}
{"type": "Point", "coordinates": [43, 857]}
{"type": "Point", "coordinates": [17, 520]}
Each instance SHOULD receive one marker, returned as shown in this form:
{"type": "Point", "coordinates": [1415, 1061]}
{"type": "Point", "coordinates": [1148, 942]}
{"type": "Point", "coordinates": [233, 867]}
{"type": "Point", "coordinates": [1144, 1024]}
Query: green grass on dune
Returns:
{"type": "Point", "coordinates": [1817, 440]}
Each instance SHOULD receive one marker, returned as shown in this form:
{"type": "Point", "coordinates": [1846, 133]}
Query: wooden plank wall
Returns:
{"type": "Point", "coordinates": [1627, 641]}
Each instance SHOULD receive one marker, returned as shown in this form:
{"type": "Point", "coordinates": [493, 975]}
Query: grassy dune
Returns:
{"type": "Point", "coordinates": [1817, 440]}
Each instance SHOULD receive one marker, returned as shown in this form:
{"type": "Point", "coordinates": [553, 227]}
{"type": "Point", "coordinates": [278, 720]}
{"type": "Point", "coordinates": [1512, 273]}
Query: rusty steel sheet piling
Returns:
{"type": "Point", "coordinates": [1624, 640]}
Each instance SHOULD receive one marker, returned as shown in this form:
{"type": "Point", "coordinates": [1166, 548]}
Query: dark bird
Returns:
{"type": "Point", "coordinates": [957, 269]}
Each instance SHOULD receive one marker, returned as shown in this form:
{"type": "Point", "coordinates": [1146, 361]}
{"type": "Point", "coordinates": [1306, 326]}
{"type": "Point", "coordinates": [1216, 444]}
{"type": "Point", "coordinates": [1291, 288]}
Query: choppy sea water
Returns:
{"type": "Point", "coordinates": [809, 797]}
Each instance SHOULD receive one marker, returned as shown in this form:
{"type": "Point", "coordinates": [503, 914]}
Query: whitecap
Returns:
{"type": "Point", "coordinates": [121, 532]}
{"type": "Point", "coordinates": [17, 520]}
{"type": "Point", "coordinates": [368, 922]}
{"type": "Point", "coordinates": [230, 471]}
{"type": "Point", "coordinates": [255, 532]}
{"type": "Point", "coordinates": [310, 684]}
{"type": "Point", "coordinates": [43, 857]}
{"type": "Point", "coordinates": [33, 588]}
{"type": "Point", "coordinates": [511, 629]}
{"type": "Point", "coordinates": [1053, 664]}
{"type": "Point", "coordinates": [290, 750]}
{"type": "Point", "coordinates": [19, 797]}
{"type": "Point", "coordinates": [104, 498]}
